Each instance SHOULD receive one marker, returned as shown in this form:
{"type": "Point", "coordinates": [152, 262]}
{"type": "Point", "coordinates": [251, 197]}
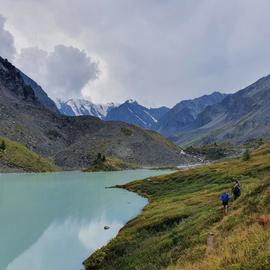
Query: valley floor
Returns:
{"type": "Point", "coordinates": [183, 226]}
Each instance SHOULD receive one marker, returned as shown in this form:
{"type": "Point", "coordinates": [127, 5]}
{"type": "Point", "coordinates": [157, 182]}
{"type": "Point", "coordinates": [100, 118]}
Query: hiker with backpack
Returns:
{"type": "Point", "coordinates": [225, 202]}
{"type": "Point", "coordinates": [225, 197]}
{"type": "Point", "coordinates": [236, 190]}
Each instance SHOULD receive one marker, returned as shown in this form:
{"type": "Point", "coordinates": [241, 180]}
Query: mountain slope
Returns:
{"type": "Point", "coordinates": [40, 94]}
{"type": "Point", "coordinates": [185, 113]}
{"type": "Point", "coordinates": [134, 113]}
{"type": "Point", "coordinates": [239, 117]}
{"type": "Point", "coordinates": [76, 107]}
{"type": "Point", "coordinates": [157, 113]}
{"type": "Point", "coordinates": [73, 142]}
{"type": "Point", "coordinates": [183, 226]}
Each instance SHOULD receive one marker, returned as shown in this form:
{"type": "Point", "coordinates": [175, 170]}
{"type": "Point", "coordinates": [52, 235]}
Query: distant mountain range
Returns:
{"type": "Point", "coordinates": [217, 117]}
{"type": "Point", "coordinates": [210, 118]}
{"type": "Point", "coordinates": [236, 119]}
{"type": "Point", "coordinates": [134, 113]}
{"type": "Point", "coordinates": [163, 119]}
{"type": "Point", "coordinates": [130, 111]}
{"type": "Point", "coordinates": [184, 113]}
{"type": "Point", "coordinates": [28, 117]}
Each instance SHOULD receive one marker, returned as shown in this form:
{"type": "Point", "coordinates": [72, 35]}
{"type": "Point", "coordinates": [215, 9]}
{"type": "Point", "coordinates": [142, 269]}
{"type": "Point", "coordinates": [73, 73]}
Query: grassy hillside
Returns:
{"type": "Point", "coordinates": [183, 225]}
{"type": "Point", "coordinates": [15, 156]}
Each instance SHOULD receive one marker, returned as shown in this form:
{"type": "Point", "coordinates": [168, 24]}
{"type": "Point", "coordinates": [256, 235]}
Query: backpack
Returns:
{"type": "Point", "coordinates": [224, 197]}
{"type": "Point", "coordinates": [237, 191]}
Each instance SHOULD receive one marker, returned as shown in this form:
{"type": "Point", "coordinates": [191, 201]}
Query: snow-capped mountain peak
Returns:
{"type": "Point", "coordinates": [131, 101]}
{"type": "Point", "coordinates": [76, 107]}
{"type": "Point", "coordinates": [130, 111]}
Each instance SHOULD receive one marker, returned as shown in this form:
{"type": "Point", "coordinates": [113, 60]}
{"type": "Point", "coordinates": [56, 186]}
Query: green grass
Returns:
{"type": "Point", "coordinates": [111, 164]}
{"type": "Point", "coordinates": [19, 157]}
{"type": "Point", "coordinates": [127, 131]}
{"type": "Point", "coordinates": [173, 230]}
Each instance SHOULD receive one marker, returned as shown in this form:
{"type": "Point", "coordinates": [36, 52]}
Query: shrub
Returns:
{"type": "Point", "coordinates": [126, 131]}
{"type": "Point", "coordinates": [99, 159]}
{"type": "Point", "coordinates": [246, 155]}
{"type": "Point", "coordinates": [3, 145]}
{"type": "Point", "coordinates": [99, 156]}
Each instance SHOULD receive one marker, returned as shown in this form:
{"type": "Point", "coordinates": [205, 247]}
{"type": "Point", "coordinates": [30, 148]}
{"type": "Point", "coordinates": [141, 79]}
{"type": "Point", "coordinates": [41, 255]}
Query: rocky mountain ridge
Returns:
{"type": "Point", "coordinates": [239, 117]}
{"type": "Point", "coordinates": [134, 113]}
{"type": "Point", "coordinates": [184, 113]}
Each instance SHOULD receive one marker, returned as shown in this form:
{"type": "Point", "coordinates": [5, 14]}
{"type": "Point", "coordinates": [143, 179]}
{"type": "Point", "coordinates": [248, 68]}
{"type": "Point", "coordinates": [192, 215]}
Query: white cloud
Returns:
{"type": "Point", "coordinates": [63, 73]}
{"type": "Point", "coordinates": [33, 62]}
{"type": "Point", "coordinates": [7, 48]}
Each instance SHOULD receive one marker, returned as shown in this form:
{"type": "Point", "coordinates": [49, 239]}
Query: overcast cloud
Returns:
{"type": "Point", "coordinates": [157, 52]}
{"type": "Point", "coordinates": [7, 48]}
{"type": "Point", "coordinates": [64, 72]}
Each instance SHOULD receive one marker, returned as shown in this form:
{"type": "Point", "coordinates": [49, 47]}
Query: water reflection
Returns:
{"type": "Point", "coordinates": [54, 221]}
{"type": "Point", "coordinates": [59, 243]}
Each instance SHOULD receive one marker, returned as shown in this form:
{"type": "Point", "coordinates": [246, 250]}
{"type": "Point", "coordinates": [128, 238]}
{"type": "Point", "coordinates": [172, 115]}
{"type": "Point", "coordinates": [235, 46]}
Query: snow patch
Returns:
{"type": "Point", "coordinates": [86, 107]}
{"type": "Point", "coordinates": [151, 116]}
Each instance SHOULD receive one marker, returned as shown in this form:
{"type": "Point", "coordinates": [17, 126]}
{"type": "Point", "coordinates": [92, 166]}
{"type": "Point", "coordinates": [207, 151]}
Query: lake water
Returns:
{"type": "Point", "coordinates": [54, 221]}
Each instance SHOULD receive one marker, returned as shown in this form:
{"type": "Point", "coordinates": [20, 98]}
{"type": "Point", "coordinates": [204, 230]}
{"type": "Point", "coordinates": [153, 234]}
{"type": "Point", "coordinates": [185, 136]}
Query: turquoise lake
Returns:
{"type": "Point", "coordinates": [54, 221]}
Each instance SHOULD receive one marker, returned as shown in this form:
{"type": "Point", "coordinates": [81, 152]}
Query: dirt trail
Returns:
{"type": "Point", "coordinates": [210, 243]}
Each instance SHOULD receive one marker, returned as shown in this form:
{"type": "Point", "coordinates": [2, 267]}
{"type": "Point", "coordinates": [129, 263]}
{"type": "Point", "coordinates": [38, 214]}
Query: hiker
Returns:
{"type": "Point", "coordinates": [236, 190]}
{"type": "Point", "coordinates": [225, 202]}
